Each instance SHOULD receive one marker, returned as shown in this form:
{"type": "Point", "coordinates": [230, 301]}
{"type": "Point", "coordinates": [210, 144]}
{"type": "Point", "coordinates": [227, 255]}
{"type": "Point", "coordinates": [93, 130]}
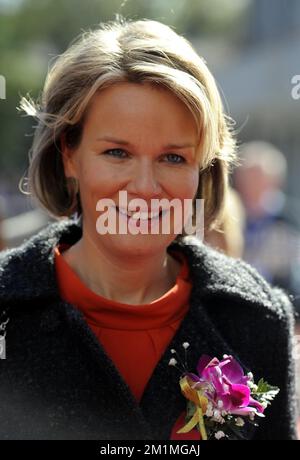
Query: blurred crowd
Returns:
{"type": "Point", "coordinates": [258, 225]}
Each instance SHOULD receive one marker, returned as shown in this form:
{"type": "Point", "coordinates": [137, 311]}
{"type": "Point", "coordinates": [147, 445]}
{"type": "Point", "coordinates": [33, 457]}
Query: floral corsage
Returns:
{"type": "Point", "coordinates": [221, 401]}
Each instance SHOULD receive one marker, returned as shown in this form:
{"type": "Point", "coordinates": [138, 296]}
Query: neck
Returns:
{"type": "Point", "coordinates": [133, 281]}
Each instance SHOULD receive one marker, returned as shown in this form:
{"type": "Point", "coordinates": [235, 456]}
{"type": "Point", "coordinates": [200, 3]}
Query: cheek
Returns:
{"type": "Point", "coordinates": [97, 182]}
{"type": "Point", "coordinates": [194, 182]}
{"type": "Point", "coordinates": [184, 184]}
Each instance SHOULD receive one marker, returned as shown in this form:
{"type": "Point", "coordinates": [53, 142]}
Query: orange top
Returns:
{"type": "Point", "coordinates": [134, 336]}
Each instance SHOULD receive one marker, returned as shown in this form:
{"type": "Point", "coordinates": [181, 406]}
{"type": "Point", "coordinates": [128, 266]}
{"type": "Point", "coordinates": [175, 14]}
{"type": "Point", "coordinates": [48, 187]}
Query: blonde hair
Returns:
{"type": "Point", "coordinates": [230, 236]}
{"type": "Point", "coordinates": [126, 51]}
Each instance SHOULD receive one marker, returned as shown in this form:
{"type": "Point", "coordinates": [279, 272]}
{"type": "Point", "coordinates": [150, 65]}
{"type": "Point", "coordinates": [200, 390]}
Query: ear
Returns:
{"type": "Point", "coordinates": [68, 157]}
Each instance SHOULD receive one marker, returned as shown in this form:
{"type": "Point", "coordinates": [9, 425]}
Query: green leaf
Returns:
{"type": "Point", "coordinates": [265, 387]}
{"type": "Point", "coordinates": [264, 392]}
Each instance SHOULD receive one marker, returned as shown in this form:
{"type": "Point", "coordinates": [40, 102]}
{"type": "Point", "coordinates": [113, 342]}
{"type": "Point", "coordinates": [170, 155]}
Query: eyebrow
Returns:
{"type": "Point", "coordinates": [122, 142]}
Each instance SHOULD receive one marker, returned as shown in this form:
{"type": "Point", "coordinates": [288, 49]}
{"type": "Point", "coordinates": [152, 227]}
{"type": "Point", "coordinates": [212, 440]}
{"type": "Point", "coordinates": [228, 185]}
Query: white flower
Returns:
{"type": "Point", "coordinates": [219, 435]}
{"type": "Point", "coordinates": [250, 375]}
{"type": "Point", "coordinates": [173, 351]}
{"type": "Point", "coordinates": [172, 362]}
{"type": "Point", "coordinates": [239, 421]}
{"type": "Point", "coordinates": [219, 419]}
{"type": "Point", "coordinates": [252, 385]}
{"type": "Point", "coordinates": [225, 356]}
{"type": "Point", "coordinates": [209, 413]}
{"type": "Point", "coordinates": [185, 345]}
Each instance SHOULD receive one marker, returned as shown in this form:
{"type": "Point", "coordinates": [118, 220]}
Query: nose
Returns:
{"type": "Point", "coordinates": [144, 181]}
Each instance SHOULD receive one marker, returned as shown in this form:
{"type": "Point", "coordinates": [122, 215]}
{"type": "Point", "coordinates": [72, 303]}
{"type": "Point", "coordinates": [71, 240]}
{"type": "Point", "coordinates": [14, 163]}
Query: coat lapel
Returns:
{"type": "Point", "coordinates": [162, 402]}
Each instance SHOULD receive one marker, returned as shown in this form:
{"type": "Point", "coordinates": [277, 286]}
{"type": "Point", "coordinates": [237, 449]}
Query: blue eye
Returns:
{"type": "Point", "coordinates": [120, 153]}
{"type": "Point", "coordinates": [114, 153]}
{"type": "Point", "coordinates": [175, 158]}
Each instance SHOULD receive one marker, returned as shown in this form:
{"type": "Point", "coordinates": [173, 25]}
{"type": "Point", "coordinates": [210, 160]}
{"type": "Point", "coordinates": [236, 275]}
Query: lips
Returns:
{"type": "Point", "coordinates": [140, 215]}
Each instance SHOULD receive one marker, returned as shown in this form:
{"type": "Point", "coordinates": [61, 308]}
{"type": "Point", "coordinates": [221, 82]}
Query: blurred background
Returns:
{"type": "Point", "coordinates": [253, 49]}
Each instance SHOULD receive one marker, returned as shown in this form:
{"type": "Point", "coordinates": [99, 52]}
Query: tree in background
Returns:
{"type": "Point", "coordinates": [34, 31]}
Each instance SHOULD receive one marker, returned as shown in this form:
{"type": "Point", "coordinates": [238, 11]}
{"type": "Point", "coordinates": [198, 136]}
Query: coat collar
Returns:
{"type": "Point", "coordinates": [27, 272]}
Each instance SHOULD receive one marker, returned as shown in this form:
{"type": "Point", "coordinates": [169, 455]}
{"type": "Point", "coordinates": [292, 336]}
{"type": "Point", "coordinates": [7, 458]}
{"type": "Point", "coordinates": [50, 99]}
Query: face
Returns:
{"type": "Point", "coordinates": [253, 196]}
{"type": "Point", "coordinates": [125, 146]}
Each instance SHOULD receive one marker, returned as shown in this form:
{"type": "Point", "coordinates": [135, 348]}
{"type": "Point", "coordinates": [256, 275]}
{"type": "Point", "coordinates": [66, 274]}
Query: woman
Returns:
{"type": "Point", "coordinates": [93, 315]}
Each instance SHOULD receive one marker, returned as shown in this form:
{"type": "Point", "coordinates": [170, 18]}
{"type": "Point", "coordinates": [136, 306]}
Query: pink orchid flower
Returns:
{"type": "Point", "coordinates": [225, 386]}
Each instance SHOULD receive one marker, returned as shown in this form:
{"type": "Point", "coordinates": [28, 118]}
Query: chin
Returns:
{"type": "Point", "coordinates": [140, 244]}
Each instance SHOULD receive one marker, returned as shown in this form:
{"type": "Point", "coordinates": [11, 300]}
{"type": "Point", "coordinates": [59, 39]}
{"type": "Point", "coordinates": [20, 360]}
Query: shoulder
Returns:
{"type": "Point", "coordinates": [28, 270]}
{"type": "Point", "coordinates": [26, 251]}
{"type": "Point", "coordinates": [233, 283]}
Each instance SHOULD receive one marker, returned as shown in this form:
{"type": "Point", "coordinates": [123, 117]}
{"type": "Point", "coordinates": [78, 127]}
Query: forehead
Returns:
{"type": "Point", "coordinates": [125, 106]}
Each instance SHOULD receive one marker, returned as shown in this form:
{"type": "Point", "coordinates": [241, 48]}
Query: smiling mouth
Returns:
{"type": "Point", "coordinates": [138, 215]}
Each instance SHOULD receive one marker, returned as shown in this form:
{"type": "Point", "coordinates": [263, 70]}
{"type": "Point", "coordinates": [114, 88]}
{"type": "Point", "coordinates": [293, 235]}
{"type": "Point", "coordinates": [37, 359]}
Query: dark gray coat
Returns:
{"type": "Point", "coordinates": [57, 382]}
